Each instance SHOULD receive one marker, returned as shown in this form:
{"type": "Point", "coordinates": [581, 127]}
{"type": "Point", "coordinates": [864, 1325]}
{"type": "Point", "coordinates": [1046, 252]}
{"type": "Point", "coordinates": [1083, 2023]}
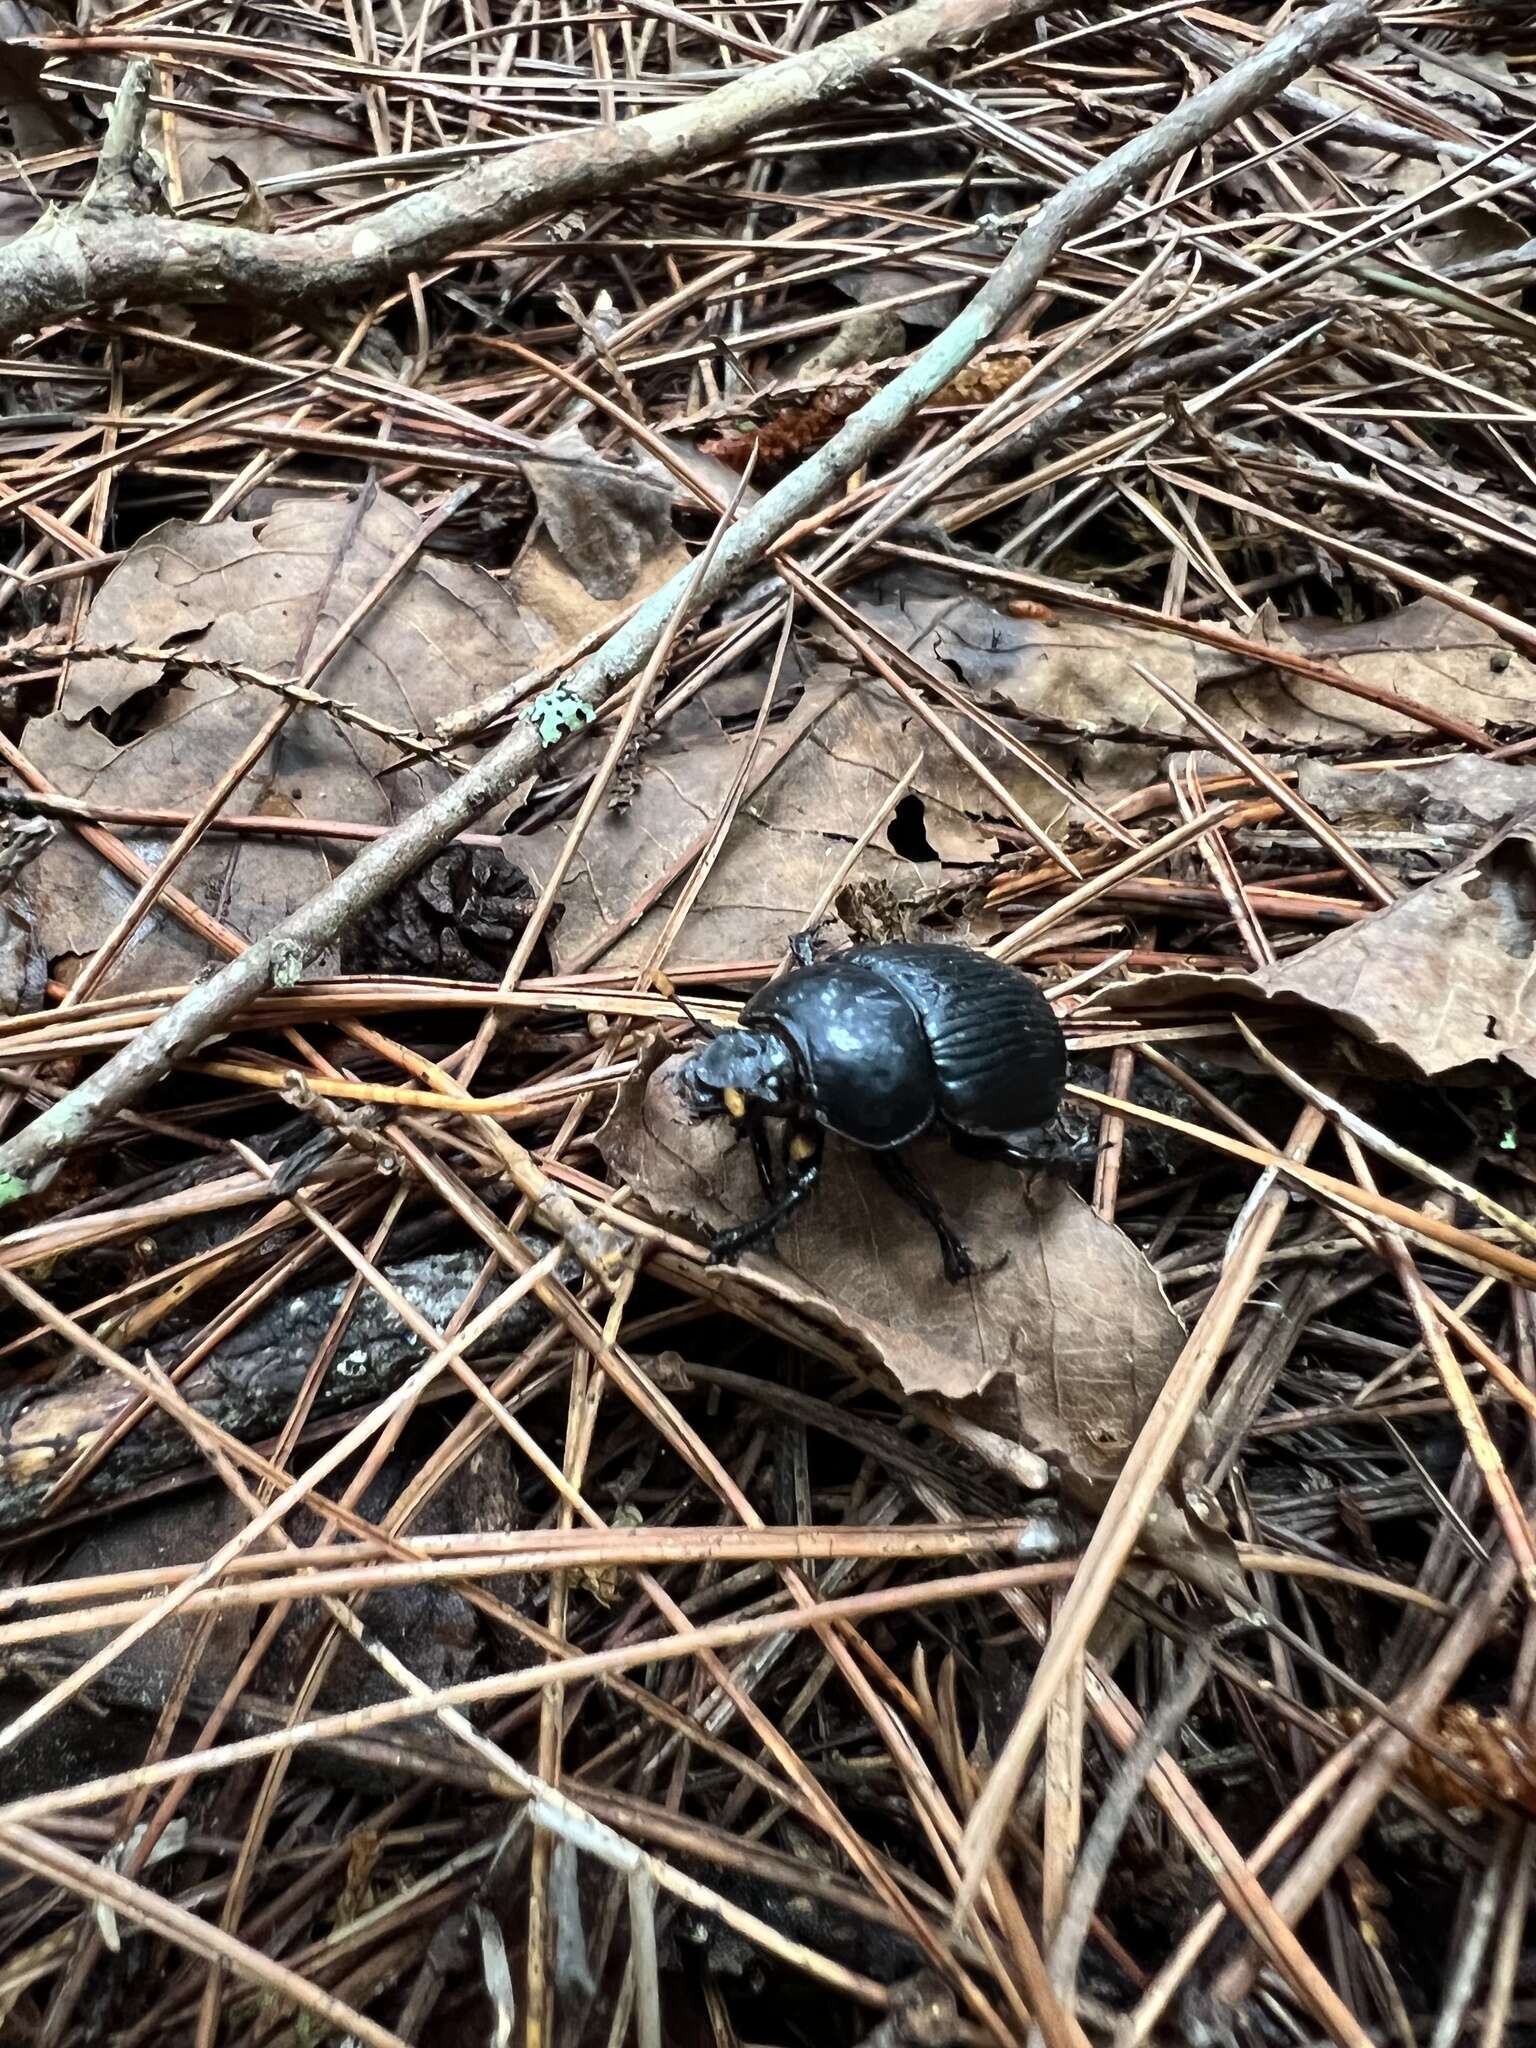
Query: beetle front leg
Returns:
{"type": "Point", "coordinates": [762, 1158]}
{"type": "Point", "coordinates": [899, 1177]}
{"type": "Point", "coordinates": [802, 944]}
{"type": "Point", "coordinates": [747, 1117]}
{"type": "Point", "coordinates": [802, 1164]}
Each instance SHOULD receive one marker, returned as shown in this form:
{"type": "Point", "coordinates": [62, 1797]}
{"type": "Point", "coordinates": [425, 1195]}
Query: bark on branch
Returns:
{"type": "Point", "coordinates": [87, 259]}
{"type": "Point", "coordinates": [279, 959]}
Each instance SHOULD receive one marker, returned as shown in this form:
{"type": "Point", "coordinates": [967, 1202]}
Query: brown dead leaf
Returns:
{"type": "Point", "coordinates": [1367, 168]}
{"type": "Point", "coordinates": [1477, 96]}
{"type": "Point", "coordinates": [1068, 678]}
{"type": "Point", "coordinates": [1439, 809]}
{"type": "Point", "coordinates": [1068, 674]}
{"type": "Point", "coordinates": [561, 610]}
{"type": "Point", "coordinates": [606, 518]}
{"type": "Point", "coordinates": [1426, 651]}
{"type": "Point", "coordinates": [247, 593]}
{"type": "Point", "coordinates": [1478, 229]}
{"type": "Point", "coordinates": [1066, 1343]}
{"type": "Point", "coordinates": [1442, 977]}
{"type": "Point", "coordinates": [308, 142]}
{"type": "Point", "coordinates": [837, 755]}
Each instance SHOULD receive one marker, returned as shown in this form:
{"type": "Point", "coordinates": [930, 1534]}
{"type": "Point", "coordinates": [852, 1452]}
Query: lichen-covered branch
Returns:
{"type": "Point", "coordinates": [90, 257]}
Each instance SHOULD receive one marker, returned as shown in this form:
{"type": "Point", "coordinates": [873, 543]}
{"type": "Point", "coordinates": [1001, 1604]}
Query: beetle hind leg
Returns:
{"type": "Point", "coordinates": [899, 1177]}
{"type": "Point", "coordinates": [996, 1151]}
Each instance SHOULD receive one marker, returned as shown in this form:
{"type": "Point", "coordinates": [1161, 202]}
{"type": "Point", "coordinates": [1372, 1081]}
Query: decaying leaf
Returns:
{"type": "Point", "coordinates": [172, 1532]}
{"type": "Point", "coordinates": [38, 119]}
{"type": "Point", "coordinates": [254, 210]}
{"type": "Point", "coordinates": [162, 733]}
{"type": "Point", "coordinates": [308, 143]}
{"type": "Point", "coordinates": [1443, 977]}
{"type": "Point", "coordinates": [605, 517]}
{"type": "Point", "coordinates": [831, 763]}
{"type": "Point", "coordinates": [556, 602]}
{"type": "Point", "coordinates": [1368, 170]}
{"type": "Point", "coordinates": [868, 335]}
{"type": "Point", "coordinates": [1069, 674]}
{"type": "Point", "coordinates": [1475, 94]}
{"type": "Point", "coordinates": [1439, 810]}
{"type": "Point", "coordinates": [1427, 651]}
{"type": "Point", "coordinates": [1063, 1342]}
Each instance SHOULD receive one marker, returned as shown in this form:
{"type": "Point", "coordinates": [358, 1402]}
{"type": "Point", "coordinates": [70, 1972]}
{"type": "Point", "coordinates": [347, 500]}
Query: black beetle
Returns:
{"type": "Point", "coordinates": [878, 1043]}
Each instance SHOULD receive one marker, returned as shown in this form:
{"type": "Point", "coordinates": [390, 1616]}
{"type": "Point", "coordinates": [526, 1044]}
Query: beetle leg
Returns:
{"type": "Point", "coordinates": [996, 1151]}
{"type": "Point", "coordinates": [747, 1119]}
{"type": "Point", "coordinates": [802, 944]}
{"type": "Point", "coordinates": [763, 1158]}
{"type": "Point", "coordinates": [802, 1164]}
{"type": "Point", "coordinates": [899, 1177]}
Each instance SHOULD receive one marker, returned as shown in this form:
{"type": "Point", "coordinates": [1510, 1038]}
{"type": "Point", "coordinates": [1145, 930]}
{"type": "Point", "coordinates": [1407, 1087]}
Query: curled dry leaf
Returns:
{"type": "Point", "coordinates": [1441, 977]}
{"type": "Point", "coordinates": [162, 733]}
{"type": "Point", "coordinates": [1061, 1346]}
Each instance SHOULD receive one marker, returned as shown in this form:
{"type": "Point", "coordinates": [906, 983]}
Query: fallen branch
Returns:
{"type": "Point", "coordinates": [278, 959]}
{"type": "Point", "coordinates": [93, 256]}
{"type": "Point", "coordinates": [246, 1387]}
{"type": "Point", "coordinates": [1355, 124]}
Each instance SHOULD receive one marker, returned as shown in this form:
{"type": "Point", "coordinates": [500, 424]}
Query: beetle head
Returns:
{"type": "Point", "coordinates": [738, 1069]}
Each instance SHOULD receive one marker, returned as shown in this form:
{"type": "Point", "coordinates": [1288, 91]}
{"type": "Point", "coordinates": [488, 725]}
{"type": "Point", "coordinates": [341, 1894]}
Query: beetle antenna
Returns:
{"type": "Point", "coordinates": [674, 994]}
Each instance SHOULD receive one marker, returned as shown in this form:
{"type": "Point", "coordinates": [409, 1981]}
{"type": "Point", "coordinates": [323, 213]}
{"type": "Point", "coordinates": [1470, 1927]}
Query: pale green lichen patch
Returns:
{"type": "Point", "coordinates": [556, 712]}
{"type": "Point", "coordinates": [287, 962]}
